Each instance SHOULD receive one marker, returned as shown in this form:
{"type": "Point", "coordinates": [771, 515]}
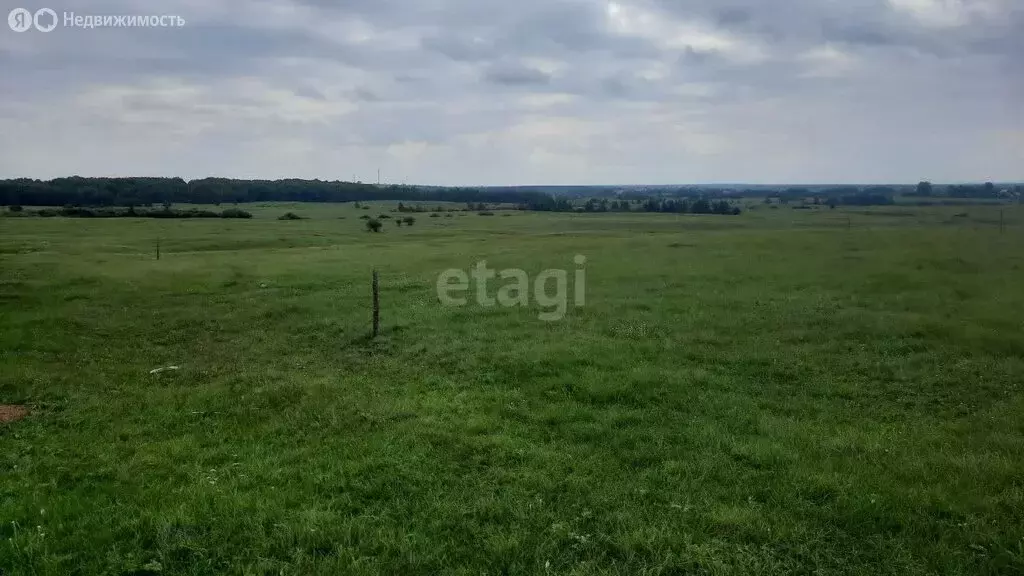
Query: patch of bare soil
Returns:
{"type": "Point", "coordinates": [12, 413]}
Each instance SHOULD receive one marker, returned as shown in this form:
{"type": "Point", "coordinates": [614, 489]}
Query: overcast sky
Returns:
{"type": "Point", "coordinates": [522, 91]}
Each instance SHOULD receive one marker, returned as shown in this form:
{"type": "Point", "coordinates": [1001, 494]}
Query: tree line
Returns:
{"type": "Point", "coordinates": [125, 192]}
{"type": "Point", "coordinates": [17, 210]}
{"type": "Point", "coordinates": [987, 190]}
{"type": "Point", "coordinates": [650, 204]}
{"type": "Point", "coordinates": [78, 192]}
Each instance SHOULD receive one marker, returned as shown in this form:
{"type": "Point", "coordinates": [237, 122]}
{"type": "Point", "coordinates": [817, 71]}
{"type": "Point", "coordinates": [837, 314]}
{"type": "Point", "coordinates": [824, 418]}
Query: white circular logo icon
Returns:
{"type": "Point", "coordinates": [20, 19]}
{"type": "Point", "coordinates": [45, 24]}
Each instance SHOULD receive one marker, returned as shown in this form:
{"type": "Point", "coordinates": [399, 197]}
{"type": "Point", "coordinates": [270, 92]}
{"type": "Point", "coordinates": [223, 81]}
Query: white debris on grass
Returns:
{"type": "Point", "coordinates": [164, 369]}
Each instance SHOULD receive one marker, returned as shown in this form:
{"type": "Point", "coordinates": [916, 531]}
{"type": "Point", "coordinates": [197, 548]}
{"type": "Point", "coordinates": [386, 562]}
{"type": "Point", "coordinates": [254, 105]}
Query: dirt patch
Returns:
{"type": "Point", "coordinates": [12, 413]}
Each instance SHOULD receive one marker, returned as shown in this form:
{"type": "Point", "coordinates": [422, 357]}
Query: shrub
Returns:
{"type": "Point", "coordinates": [399, 222]}
{"type": "Point", "coordinates": [383, 217]}
{"type": "Point", "coordinates": [409, 220]}
{"type": "Point", "coordinates": [290, 216]}
{"type": "Point", "coordinates": [76, 212]}
{"type": "Point", "coordinates": [448, 215]}
{"type": "Point", "coordinates": [373, 225]}
{"type": "Point", "coordinates": [16, 208]}
{"type": "Point", "coordinates": [486, 213]}
{"type": "Point", "coordinates": [235, 213]}
{"type": "Point", "coordinates": [192, 214]}
{"type": "Point", "coordinates": [435, 215]}
{"type": "Point", "coordinates": [364, 217]}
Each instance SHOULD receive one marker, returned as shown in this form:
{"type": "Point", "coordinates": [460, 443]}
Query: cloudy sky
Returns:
{"type": "Point", "coordinates": [522, 92]}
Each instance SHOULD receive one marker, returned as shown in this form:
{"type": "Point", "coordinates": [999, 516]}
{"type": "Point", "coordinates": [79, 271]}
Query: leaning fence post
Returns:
{"type": "Point", "coordinates": [376, 304]}
{"type": "Point", "coordinates": [157, 248]}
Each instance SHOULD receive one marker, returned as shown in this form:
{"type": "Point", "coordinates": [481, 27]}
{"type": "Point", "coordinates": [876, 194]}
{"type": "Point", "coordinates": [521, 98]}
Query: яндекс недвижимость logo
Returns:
{"type": "Point", "coordinates": [20, 19]}
{"type": "Point", "coordinates": [46, 19]}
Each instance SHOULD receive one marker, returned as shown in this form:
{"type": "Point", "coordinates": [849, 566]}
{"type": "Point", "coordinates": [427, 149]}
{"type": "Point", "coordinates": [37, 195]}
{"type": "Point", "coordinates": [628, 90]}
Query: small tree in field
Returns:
{"type": "Point", "coordinates": [409, 220]}
{"type": "Point", "coordinates": [399, 221]}
{"type": "Point", "coordinates": [373, 225]}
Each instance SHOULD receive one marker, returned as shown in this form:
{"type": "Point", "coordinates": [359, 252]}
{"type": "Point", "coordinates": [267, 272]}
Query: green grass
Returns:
{"type": "Point", "coordinates": [828, 392]}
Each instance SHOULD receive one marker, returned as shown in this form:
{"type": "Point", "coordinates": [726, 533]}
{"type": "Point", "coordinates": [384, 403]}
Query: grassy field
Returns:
{"type": "Point", "coordinates": [782, 392]}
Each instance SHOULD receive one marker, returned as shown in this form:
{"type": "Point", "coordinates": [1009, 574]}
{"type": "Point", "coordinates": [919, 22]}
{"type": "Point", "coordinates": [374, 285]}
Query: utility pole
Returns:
{"type": "Point", "coordinates": [378, 176]}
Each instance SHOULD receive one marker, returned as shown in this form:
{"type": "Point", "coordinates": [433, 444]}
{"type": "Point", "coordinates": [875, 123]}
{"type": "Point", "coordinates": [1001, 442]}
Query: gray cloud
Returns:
{"type": "Point", "coordinates": [484, 91]}
{"type": "Point", "coordinates": [516, 75]}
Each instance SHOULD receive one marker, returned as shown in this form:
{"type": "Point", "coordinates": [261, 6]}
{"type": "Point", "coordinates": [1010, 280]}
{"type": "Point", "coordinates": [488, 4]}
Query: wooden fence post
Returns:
{"type": "Point", "coordinates": [376, 304]}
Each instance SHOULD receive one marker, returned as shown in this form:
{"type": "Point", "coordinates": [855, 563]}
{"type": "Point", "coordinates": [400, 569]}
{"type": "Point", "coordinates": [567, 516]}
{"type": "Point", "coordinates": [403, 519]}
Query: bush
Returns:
{"type": "Point", "coordinates": [235, 213]}
{"type": "Point", "coordinates": [373, 225]}
{"type": "Point", "coordinates": [16, 208]}
{"type": "Point", "coordinates": [486, 213]}
{"type": "Point", "coordinates": [364, 217]}
{"type": "Point", "coordinates": [194, 214]}
{"type": "Point", "coordinates": [409, 220]}
{"type": "Point", "coordinates": [383, 217]}
{"type": "Point", "coordinates": [435, 215]}
{"type": "Point", "coordinates": [448, 215]}
{"type": "Point", "coordinates": [290, 216]}
{"type": "Point", "coordinates": [76, 212]}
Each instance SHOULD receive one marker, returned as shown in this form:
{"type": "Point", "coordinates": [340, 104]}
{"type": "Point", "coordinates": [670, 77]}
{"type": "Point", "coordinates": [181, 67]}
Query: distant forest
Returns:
{"type": "Point", "coordinates": [144, 192]}
{"type": "Point", "coordinates": [77, 191]}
